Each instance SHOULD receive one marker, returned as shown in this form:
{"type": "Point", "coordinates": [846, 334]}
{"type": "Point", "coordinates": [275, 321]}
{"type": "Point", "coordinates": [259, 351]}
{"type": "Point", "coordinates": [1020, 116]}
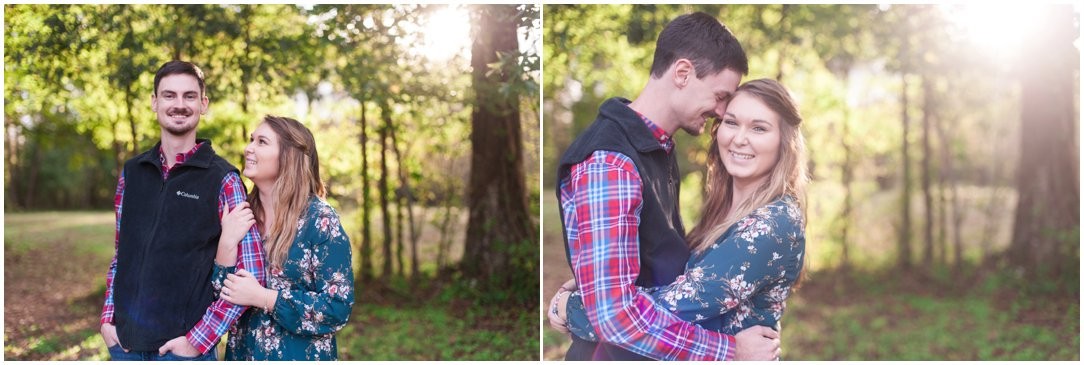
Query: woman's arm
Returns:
{"type": "Point", "coordinates": [327, 308]}
{"type": "Point", "coordinates": [761, 259]}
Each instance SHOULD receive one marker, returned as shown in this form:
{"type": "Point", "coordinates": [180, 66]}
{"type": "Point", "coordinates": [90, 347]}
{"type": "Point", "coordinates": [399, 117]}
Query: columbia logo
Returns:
{"type": "Point", "coordinates": [187, 195]}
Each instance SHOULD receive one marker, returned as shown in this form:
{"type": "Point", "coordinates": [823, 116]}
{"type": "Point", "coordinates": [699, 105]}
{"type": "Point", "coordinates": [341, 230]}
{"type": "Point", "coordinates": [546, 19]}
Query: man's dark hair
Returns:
{"type": "Point", "coordinates": [702, 39]}
{"type": "Point", "coordinates": [176, 67]}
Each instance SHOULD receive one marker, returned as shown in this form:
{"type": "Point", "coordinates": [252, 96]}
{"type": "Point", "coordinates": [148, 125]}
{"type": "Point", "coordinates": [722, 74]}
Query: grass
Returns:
{"type": "Point", "coordinates": [55, 265]}
{"type": "Point", "coordinates": [439, 332]}
{"type": "Point", "coordinates": [841, 317]}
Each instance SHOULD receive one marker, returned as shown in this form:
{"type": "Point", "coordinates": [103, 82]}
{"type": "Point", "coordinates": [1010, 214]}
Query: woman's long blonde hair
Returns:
{"type": "Point", "coordinates": [299, 179]}
{"type": "Point", "coordinates": [787, 177]}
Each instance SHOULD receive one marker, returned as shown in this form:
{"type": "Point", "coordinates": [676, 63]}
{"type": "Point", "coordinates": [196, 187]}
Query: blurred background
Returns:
{"type": "Point", "coordinates": [426, 120]}
{"type": "Point", "coordinates": [943, 216]}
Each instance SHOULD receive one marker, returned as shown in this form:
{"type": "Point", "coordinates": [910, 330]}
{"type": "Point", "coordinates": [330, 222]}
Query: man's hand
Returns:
{"type": "Point", "coordinates": [757, 343]}
{"type": "Point", "coordinates": [109, 334]}
{"type": "Point", "coordinates": [179, 346]}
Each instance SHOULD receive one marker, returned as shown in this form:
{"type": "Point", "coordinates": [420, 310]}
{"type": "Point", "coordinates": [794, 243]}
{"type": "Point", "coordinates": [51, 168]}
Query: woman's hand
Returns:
{"type": "Point", "coordinates": [243, 289]}
{"type": "Point", "coordinates": [557, 315]}
{"type": "Point", "coordinates": [235, 224]}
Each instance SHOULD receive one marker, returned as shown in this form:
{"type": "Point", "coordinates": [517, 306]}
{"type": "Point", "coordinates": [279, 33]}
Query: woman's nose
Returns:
{"type": "Point", "coordinates": [741, 138]}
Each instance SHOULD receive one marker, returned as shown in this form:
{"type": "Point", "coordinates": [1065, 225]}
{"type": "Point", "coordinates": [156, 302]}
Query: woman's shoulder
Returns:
{"type": "Point", "coordinates": [321, 220]}
{"type": "Point", "coordinates": [782, 213]}
{"type": "Point", "coordinates": [788, 209]}
{"type": "Point", "coordinates": [320, 208]}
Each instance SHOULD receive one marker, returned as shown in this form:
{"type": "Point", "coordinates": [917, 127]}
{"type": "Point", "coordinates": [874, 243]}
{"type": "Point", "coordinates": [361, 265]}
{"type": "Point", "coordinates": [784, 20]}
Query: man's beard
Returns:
{"type": "Point", "coordinates": [179, 130]}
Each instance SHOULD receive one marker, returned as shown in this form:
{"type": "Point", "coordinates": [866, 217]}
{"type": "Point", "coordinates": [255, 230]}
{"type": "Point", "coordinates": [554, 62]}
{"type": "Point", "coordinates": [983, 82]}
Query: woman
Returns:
{"type": "Point", "coordinates": [310, 281]}
{"type": "Point", "coordinates": [749, 245]}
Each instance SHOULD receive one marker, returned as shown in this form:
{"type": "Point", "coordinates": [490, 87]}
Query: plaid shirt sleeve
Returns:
{"type": "Point", "coordinates": [601, 201]}
{"type": "Point", "coordinates": [221, 314]}
{"type": "Point", "coordinates": [107, 309]}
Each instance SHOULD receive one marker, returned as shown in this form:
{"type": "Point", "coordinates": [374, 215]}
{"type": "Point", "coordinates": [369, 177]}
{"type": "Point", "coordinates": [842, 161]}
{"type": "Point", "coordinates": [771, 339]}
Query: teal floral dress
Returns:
{"type": "Point", "coordinates": [316, 293]}
{"type": "Point", "coordinates": [741, 280]}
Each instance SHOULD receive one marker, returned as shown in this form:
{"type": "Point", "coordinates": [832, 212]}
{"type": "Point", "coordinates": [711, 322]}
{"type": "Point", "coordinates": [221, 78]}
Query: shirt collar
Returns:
{"type": "Point", "coordinates": [181, 157]}
{"type": "Point", "coordinates": [664, 139]}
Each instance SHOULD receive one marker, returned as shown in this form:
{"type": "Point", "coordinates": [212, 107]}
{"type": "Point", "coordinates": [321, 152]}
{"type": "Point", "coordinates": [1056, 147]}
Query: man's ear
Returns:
{"type": "Point", "coordinates": [682, 70]}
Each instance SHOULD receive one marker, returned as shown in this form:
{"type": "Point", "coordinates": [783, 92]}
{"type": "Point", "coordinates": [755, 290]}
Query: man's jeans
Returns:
{"type": "Point", "coordinates": [118, 354]}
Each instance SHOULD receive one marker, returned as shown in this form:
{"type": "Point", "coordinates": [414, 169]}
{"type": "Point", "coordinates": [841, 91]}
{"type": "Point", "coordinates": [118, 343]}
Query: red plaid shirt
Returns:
{"type": "Point", "coordinates": [601, 199]}
{"type": "Point", "coordinates": [221, 314]}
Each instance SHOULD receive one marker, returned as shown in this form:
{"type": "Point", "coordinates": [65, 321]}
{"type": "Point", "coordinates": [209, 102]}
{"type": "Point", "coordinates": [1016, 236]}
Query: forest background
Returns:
{"type": "Point", "coordinates": [944, 212]}
{"type": "Point", "coordinates": [426, 121]}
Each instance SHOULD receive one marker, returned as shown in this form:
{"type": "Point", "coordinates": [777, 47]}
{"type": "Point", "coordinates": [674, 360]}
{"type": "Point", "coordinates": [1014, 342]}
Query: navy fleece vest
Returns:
{"type": "Point", "coordinates": [663, 251]}
{"type": "Point", "coordinates": [168, 240]}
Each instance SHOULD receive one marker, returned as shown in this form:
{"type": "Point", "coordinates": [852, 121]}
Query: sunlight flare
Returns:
{"type": "Point", "coordinates": [446, 34]}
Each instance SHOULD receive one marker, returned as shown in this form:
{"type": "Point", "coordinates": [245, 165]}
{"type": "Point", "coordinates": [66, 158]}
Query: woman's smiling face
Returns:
{"type": "Point", "coordinates": [749, 139]}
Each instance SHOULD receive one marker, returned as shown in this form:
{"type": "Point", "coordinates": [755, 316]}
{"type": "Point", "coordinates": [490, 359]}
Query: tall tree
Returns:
{"type": "Point", "coordinates": [1047, 221]}
{"type": "Point", "coordinates": [382, 185]}
{"type": "Point", "coordinates": [363, 201]}
{"type": "Point", "coordinates": [497, 200]}
{"type": "Point", "coordinates": [903, 246]}
{"type": "Point", "coordinates": [927, 156]}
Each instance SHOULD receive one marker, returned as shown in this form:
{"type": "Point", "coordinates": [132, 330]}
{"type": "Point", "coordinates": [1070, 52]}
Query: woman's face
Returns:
{"type": "Point", "coordinates": [749, 139]}
{"type": "Point", "coordinates": [262, 155]}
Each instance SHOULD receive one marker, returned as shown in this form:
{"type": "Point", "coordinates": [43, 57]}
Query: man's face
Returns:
{"type": "Point", "coordinates": [705, 98]}
{"type": "Point", "coordinates": [178, 104]}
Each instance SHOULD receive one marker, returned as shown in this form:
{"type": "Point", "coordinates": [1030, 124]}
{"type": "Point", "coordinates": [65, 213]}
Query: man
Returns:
{"type": "Point", "coordinates": [159, 301]}
{"type": "Point", "coordinates": [618, 188]}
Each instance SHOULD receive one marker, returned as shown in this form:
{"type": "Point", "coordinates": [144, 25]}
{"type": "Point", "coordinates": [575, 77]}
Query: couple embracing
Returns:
{"type": "Point", "coordinates": [197, 255]}
{"type": "Point", "coordinates": [643, 288]}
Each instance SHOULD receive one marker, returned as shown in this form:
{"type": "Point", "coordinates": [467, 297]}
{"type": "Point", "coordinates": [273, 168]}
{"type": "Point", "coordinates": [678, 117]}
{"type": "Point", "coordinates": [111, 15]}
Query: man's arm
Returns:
{"type": "Point", "coordinates": [729, 277]}
{"type": "Point", "coordinates": [221, 314]}
{"type": "Point", "coordinates": [605, 209]}
{"type": "Point", "coordinates": [109, 333]}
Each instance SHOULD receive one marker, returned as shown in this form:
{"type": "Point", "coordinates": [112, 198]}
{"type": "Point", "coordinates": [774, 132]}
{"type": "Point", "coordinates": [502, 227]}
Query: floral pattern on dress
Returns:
{"type": "Point", "coordinates": [316, 294]}
{"type": "Point", "coordinates": [742, 280]}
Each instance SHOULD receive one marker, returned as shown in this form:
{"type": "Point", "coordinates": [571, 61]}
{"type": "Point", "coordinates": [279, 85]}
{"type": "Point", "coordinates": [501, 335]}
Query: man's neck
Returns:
{"type": "Point", "coordinates": [174, 145]}
{"type": "Point", "coordinates": [653, 104]}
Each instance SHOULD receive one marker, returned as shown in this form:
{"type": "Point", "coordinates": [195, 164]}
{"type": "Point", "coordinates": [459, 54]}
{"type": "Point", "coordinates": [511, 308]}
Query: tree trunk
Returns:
{"type": "Point", "coordinates": [12, 131]}
{"type": "Point", "coordinates": [927, 191]}
{"type": "Point", "coordinates": [246, 70]}
{"type": "Point", "coordinates": [408, 195]}
{"type": "Point", "coordinates": [399, 216]}
{"type": "Point", "coordinates": [118, 150]}
{"type": "Point", "coordinates": [1047, 223]}
{"type": "Point", "coordinates": [385, 113]}
{"type": "Point", "coordinates": [949, 178]}
{"type": "Point", "coordinates": [848, 177]}
{"type": "Point", "coordinates": [942, 194]}
{"type": "Point", "coordinates": [784, 30]}
{"type": "Point", "coordinates": [399, 204]}
{"type": "Point", "coordinates": [903, 259]}
{"type": "Point", "coordinates": [498, 193]}
{"type": "Point", "coordinates": [364, 202]}
{"type": "Point", "coordinates": [445, 224]}
{"type": "Point", "coordinates": [32, 176]}
{"type": "Point", "coordinates": [128, 98]}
